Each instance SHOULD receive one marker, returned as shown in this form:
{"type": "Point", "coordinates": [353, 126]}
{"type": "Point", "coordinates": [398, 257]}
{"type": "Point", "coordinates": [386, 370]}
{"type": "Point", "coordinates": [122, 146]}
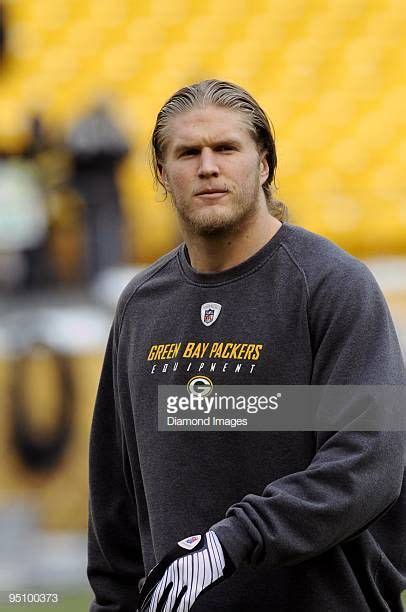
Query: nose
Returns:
{"type": "Point", "coordinates": [208, 163]}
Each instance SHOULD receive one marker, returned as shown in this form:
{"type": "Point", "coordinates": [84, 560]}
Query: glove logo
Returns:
{"type": "Point", "coordinates": [191, 542]}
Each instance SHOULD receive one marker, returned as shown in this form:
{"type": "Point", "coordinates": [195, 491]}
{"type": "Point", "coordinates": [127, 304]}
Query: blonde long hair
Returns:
{"type": "Point", "coordinates": [226, 95]}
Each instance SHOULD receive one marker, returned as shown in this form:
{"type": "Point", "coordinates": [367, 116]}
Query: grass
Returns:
{"type": "Point", "coordinates": [77, 602]}
{"type": "Point", "coordinates": [68, 602]}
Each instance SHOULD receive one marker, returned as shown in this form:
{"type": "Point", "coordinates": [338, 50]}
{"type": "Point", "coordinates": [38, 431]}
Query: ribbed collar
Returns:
{"type": "Point", "coordinates": [242, 269]}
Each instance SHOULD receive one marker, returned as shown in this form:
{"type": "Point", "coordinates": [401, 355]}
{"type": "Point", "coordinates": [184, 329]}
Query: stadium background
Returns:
{"type": "Point", "coordinates": [84, 79]}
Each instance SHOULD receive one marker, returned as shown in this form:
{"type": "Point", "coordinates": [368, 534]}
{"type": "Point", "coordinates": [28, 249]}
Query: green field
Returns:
{"type": "Point", "coordinates": [75, 602]}
{"type": "Point", "coordinates": [68, 602]}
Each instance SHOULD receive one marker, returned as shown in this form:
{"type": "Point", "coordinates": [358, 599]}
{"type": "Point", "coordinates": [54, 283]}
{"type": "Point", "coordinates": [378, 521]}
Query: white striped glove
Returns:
{"type": "Point", "coordinates": [174, 584]}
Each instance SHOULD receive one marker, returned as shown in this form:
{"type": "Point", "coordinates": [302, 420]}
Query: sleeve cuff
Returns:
{"type": "Point", "coordinates": [234, 539]}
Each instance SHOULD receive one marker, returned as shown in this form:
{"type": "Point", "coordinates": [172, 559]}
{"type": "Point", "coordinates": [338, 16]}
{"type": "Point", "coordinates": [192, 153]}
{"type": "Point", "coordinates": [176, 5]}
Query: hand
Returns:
{"type": "Point", "coordinates": [174, 584]}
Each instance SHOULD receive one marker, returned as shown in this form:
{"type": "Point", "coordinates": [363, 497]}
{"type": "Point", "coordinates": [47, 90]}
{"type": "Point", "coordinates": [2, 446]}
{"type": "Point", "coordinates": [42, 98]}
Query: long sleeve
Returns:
{"type": "Point", "coordinates": [354, 477]}
{"type": "Point", "coordinates": [114, 551]}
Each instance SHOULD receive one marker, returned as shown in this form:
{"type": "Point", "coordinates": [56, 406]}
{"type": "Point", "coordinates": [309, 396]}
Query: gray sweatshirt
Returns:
{"type": "Point", "coordinates": [313, 521]}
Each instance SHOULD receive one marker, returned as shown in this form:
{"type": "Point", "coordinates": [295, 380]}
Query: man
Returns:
{"type": "Point", "coordinates": [242, 521]}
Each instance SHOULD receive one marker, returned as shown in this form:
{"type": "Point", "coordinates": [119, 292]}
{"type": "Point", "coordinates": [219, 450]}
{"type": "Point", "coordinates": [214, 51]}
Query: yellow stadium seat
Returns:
{"type": "Point", "coordinates": [330, 76]}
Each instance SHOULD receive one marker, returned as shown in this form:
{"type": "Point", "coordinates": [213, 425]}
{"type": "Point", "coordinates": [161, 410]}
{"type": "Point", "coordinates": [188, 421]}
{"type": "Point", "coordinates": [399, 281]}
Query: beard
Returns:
{"type": "Point", "coordinates": [215, 219]}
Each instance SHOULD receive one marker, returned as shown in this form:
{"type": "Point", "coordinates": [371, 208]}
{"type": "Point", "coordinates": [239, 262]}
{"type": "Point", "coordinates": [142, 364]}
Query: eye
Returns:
{"type": "Point", "coordinates": [224, 148]}
{"type": "Point", "coordinates": [189, 153]}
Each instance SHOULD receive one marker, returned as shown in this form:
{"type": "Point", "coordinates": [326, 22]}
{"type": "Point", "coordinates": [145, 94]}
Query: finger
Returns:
{"type": "Point", "coordinates": [154, 599]}
{"type": "Point", "coordinates": [200, 575]}
{"type": "Point", "coordinates": [179, 599]}
{"type": "Point", "coordinates": [176, 587]}
{"type": "Point", "coordinates": [172, 576]}
{"type": "Point", "coordinates": [198, 582]}
{"type": "Point", "coordinates": [187, 602]}
{"type": "Point", "coordinates": [175, 577]}
{"type": "Point", "coordinates": [158, 592]}
{"type": "Point", "coordinates": [207, 574]}
{"type": "Point", "coordinates": [185, 571]}
{"type": "Point", "coordinates": [164, 597]}
{"type": "Point", "coordinates": [150, 585]}
{"type": "Point", "coordinates": [145, 605]}
{"type": "Point", "coordinates": [195, 573]}
{"type": "Point", "coordinates": [216, 555]}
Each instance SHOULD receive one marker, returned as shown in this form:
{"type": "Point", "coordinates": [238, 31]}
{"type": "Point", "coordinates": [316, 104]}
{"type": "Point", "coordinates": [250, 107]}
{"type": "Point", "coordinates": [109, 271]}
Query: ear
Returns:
{"type": "Point", "coordinates": [263, 167]}
{"type": "Point", "coordinates": [163, 177]}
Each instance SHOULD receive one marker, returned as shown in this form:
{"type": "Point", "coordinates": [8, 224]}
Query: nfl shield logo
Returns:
{"type": "Point", "coordinates": [208, 316]}
{"type": "Point", "coordinates": [209, 313]}
{"type": "Point", "coordinates": [191, 542]}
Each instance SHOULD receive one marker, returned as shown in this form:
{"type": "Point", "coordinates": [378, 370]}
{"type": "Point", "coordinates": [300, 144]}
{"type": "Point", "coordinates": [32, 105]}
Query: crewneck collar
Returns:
{"type": "Point", "coordinates": [236, 272]}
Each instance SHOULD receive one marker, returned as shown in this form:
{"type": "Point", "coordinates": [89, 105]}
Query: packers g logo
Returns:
{"type": "Point", "coordinates": [200, 385]}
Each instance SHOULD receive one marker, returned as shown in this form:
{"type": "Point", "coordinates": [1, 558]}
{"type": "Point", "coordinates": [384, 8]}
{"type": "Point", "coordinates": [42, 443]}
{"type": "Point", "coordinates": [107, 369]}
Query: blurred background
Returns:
{"type": "Point", "coordinates": [81, 82]}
